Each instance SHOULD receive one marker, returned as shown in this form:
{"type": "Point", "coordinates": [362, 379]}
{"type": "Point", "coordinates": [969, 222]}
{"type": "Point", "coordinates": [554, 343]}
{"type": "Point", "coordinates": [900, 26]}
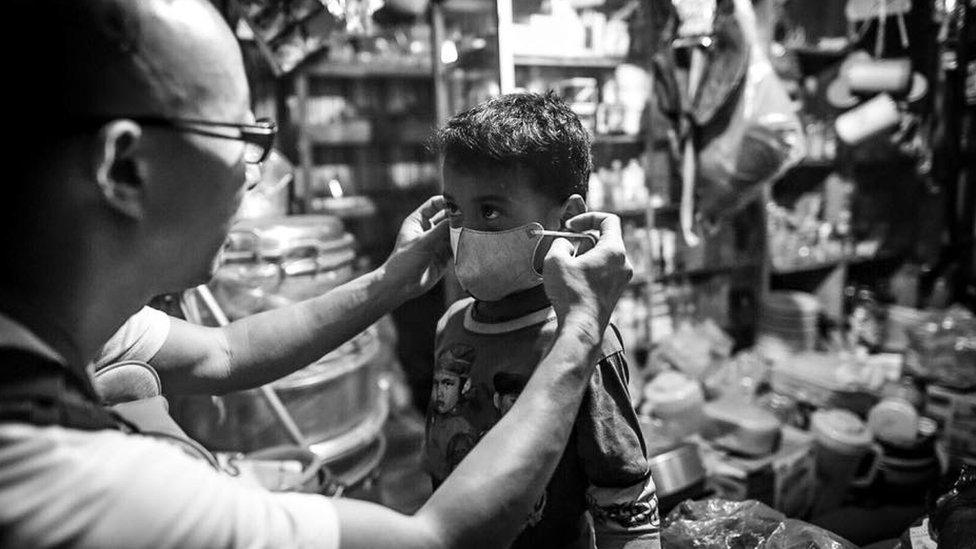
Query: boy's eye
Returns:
{"type": "Point", "coordinates": [489, 212]}
{"type": "Point", "coordinates": [451, 209]}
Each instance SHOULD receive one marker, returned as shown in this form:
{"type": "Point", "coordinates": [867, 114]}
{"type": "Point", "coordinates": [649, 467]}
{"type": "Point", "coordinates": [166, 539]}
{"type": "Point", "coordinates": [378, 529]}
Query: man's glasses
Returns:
{"type": "Point", "coordinates": [258, 137]}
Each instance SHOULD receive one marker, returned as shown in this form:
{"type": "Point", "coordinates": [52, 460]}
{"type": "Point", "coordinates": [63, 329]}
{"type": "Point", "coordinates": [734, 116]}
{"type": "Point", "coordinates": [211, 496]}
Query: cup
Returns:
{"type": "Point", "coordinates": [871, 118]}
{"type": "Point", "coordinates": [842, 444]}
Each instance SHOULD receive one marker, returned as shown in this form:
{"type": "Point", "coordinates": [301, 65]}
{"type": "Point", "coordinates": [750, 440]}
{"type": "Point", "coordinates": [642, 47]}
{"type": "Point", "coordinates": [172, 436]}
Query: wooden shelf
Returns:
{"type": "Point", "coordinates": [371, 69]}
{"type": "Point", "coordinates": [581, 61]}
{"type": "Point", "coordinates": [617, 140]}
{"type": "Point", "coordinates": [833, 263]}
{"type": "Point", "coordinates": [705, 272]}
{"type": "Point", "coordinates": [641, 211]}
{"type": "Point", "coordinates": [469, 6]}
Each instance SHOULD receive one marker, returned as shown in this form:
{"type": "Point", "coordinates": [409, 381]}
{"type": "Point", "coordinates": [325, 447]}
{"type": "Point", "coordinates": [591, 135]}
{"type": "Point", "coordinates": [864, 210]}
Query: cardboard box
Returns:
{"type": "Point", "coordinates": [784, 480]}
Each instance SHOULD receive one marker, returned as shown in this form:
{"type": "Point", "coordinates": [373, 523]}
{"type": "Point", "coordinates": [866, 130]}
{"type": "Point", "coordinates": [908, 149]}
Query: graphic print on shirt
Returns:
{"type": "Point", "coordinates": [480, 369]}
{"type": "Point", "coordinates": [453, 427]}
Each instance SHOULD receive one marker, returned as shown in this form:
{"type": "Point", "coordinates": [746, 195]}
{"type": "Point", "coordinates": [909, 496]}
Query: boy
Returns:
{"type": "Point", "coordinates": [512, 166]}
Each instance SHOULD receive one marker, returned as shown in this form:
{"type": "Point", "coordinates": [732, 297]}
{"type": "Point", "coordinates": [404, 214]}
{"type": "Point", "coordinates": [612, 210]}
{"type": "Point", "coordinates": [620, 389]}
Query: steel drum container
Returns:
{"type": "Point", "coordinates": [272, 262]}
{"type": "Point", "coordinates": [338, 402]}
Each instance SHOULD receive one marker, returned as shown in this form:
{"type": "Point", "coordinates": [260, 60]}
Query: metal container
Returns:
{"type": "Point", "coordinates": [676, 469]}
{"type": "Point", "coordinates": [272, 262]}
{"type": "Point", "coordinates": [337, 403]}
{"type": "Point", "coordinates": [336, 406]}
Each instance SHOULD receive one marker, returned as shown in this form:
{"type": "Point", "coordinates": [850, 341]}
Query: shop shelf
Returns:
{"type": "Point", "coordinates": [575, 61]}
{"type": "Point", "coordinates": [617, 140]}
{"type": "Point", "coordinates": [370, 69]}
{"type": "Point", "coordinates": [833, 263]}
{"type": "Point", "coordinates": [707, 271]}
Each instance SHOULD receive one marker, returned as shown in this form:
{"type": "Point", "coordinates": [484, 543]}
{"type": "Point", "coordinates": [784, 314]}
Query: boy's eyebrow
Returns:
{"type": "Point", "coordinates": [494, 197]}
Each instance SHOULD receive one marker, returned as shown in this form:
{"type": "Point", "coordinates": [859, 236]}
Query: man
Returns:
{"type": "Point", "coordinates": [133, 129]}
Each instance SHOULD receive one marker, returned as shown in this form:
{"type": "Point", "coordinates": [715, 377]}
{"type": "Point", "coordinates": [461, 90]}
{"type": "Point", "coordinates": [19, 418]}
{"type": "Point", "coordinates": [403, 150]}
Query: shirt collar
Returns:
{"type": "Point", "coordinates": [15, 335]}
{"type": "Point", "coordinates": [494, 328]}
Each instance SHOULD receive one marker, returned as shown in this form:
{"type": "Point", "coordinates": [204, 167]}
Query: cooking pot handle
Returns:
{"type": "Point", "coordinates": [301, 260]}
{"type": "Point", "coordinates": [253, 236]}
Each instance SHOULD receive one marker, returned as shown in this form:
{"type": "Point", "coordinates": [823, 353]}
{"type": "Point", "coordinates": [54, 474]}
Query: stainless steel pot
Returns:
{"type": "Point", "coordinates": [676, 469]}
{"type": "Point", "coordinates": [269, 263]}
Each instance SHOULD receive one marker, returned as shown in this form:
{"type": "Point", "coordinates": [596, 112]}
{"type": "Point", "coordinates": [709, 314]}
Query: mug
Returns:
{"type": "Point", "coordinates": [871, 118]}
{"type": "Point", "coordinates": [842, 443]}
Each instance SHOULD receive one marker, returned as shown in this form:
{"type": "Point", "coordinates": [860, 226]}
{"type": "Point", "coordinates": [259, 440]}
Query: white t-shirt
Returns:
{"type": "Point", "coordinates": [140, 338]}
{"type": "Point", "coordinates": [65, 487]}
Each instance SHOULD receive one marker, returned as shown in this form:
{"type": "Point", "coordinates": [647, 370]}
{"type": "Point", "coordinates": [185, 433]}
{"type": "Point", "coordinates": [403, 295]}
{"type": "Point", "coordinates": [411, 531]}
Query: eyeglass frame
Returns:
{"type": "Point", "coordinates": [261, 132]}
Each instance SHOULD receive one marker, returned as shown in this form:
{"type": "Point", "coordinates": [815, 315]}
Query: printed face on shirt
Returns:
{"type": "Point", "coordinates": [504, 403]}
{"type": "Point", "coordinates": [446, 391]}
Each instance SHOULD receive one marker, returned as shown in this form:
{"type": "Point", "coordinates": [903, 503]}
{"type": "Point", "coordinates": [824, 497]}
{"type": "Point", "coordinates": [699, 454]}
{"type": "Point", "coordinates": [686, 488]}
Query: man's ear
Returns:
{"type": "Point", "coordinates": [573, 206]}
{"type": "Point", "coordinates": [117, 171]}
{"type": "Point", "coordinates": [466, 386]}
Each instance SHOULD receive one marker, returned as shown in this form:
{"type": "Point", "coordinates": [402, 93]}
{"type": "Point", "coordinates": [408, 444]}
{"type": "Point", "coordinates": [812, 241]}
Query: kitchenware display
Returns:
{"type": "Point", "coordinates": [842, 443]}
{"type": "Point", "coordinates": [678, 474]}
{"type": "Point", "coordinates": [741, 427]}
{"type": "Point", "coordinates": [271, 262]}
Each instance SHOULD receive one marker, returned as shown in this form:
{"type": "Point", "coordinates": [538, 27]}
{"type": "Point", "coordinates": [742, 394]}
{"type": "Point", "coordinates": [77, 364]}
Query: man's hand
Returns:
{"type": "Point", "coordinates": [422, 250]}
{"type": "Point", "coordinates": [584, 290]}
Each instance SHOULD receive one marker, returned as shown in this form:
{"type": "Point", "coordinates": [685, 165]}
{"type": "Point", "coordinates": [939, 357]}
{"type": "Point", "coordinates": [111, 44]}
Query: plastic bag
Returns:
{"type": "Point", "coordinates": [723, 524]}
{"type": "Point", "coordinates": [762, 138]}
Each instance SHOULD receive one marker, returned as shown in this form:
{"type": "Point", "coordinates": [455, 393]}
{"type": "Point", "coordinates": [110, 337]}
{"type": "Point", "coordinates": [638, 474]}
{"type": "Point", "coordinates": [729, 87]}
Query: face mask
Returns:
{"type": "Point", "coordinates": [491, 265]}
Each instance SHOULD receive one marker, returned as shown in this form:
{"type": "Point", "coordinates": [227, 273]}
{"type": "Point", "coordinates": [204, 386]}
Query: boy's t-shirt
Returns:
{"type": "Point", "coordinates": [603, 470]}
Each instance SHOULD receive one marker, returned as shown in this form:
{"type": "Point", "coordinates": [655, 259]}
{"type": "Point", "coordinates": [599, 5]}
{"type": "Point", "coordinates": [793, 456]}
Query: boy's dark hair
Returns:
{"type": "Point", "coordinates": [538, 132]}
{"type": "Point", "coordinates": [507, 383]}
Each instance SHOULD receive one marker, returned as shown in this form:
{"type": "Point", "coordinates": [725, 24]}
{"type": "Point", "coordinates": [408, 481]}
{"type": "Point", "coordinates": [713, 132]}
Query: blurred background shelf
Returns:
{"type": "Point", "coordinates": [370, 69]}
{"type": "Point", "coordinates": [582, 61]}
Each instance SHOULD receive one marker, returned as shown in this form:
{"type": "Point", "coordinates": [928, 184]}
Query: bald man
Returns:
{"type": "Point", "coordinates": [129, 141]}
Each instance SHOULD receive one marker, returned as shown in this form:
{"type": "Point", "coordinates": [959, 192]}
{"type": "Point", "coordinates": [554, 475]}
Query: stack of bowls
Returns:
{"type": "Point", "coordinates": [791, 318]}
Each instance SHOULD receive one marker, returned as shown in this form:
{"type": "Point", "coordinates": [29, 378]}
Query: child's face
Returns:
{"type": "Point", "coordinates": [497, 201]}
{"type": "Point", "coordinates": [446, 391]}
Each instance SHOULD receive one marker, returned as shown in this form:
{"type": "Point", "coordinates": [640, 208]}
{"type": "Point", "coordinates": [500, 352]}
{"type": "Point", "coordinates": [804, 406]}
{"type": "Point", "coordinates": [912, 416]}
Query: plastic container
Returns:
{"type": "Point", "coordinates": [677, 401]}
{"type": "Point", "coordinates": [741, 428]}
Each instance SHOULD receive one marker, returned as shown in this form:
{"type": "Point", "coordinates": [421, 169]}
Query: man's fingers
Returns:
{"type": "Point", "coordinates": [607, 224]}
{"type": "Point", "coordinates": [438, 217]}
{"type": "Point", "coordinates": [438, 235]}
{"type": "Point", "coordinates": [429, 209]}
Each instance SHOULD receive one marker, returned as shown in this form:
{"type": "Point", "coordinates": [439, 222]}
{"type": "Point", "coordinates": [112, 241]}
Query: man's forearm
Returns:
{"type": "Point", "coordinates": [264, 347]}
{"type": "Point", "coordinates": [487, 499]}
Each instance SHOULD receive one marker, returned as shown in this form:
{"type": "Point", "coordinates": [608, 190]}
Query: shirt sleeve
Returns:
{"type": "Point", "coordinates": [140, 338]}
{"type": "Point", "coordinates": [60, 487]}
{"type": "Point", "coordinates": [620, 494]}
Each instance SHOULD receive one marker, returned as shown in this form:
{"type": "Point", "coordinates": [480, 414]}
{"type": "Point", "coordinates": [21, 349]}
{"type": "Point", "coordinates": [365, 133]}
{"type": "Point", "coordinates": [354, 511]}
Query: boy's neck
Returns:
{"type": "Point", "coordinates": [511, 306]}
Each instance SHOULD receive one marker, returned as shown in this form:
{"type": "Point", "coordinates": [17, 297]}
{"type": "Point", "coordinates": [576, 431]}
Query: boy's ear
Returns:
{"type": "Point", "coordinates": [573, 206]}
